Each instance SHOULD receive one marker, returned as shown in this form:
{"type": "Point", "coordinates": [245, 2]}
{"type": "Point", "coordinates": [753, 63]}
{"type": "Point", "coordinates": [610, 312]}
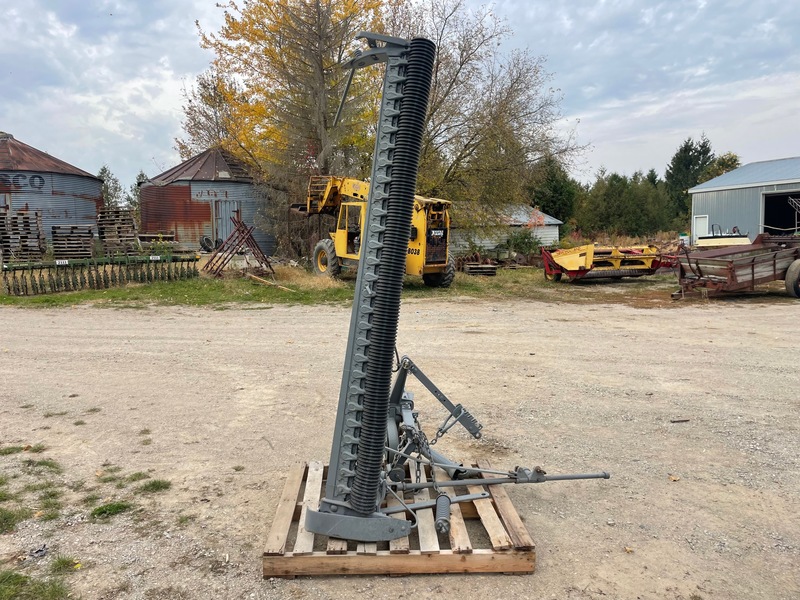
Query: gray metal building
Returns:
{"type": "Point", "coordinates": [198, 197]}
{"type": "Point", "coordinates": [543, 227]}
{"type": "Point", "coordinates": [759, 197]}
{"type": "Point", "coordinates": [32, 180]}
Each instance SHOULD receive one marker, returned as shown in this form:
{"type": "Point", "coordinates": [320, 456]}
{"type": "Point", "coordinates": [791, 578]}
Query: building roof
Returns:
{"type": "Point", "coordinates": [531, 217]}
{"type": "Point", "coordinates": [767, 172]}
{"type": "Point", "coordinates": [18, 156]}
{"type": "Point", "coordinates": [215, 164]}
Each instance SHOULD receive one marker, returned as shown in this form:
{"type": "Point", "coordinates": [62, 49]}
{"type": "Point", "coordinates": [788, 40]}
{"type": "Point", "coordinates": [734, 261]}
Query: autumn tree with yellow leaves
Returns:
{"type": "Point", "coordinates": [277, 77]}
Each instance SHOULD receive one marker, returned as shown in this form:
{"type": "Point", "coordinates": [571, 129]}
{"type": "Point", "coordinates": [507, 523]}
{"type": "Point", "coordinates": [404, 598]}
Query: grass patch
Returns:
{"type": "Point", "coordinates": [94, 409]}
{"type": "Point", "coordinates": [10, 517]}
{"type": "Point", "coordinates": [90, 500]}
{"type": "Point", "coordinates": [113, 469]}
{"type": "Point", "coordinates": [3, 479]}
{"type": "Point", "coordinates": [27, 406]}
{"type": "Point", "coordinates": [144, 432]}
{"type": "Point", "coordinates": [46, 464]}
{"type": "Point", "coordinates": [79, 422]}
{"type": "Point", "coordinates": [15, 586]}
{"type": "Point", "coordinates": [37, 448]}
{"type": "Point", "coordinates": [5, 496]}
{"type": "Point", "coordinates": [238, 468]}
{"type": "Point", "coordinates": [137, 476]}
{"type": "Point", "coordinates": [146, 442]}
{"type": "Point", "coordinates": [105, 511]}
{"type": "Point", "coordinates": [63, 564]}
{"type": "Point", "coordinates": [11, 450]}
{"type": "Point", "coordinates": [108, 478]}
{"type": "Point", "coordinates": [186, 519]}
{"type": "Point", "coordinates": [38, 487]}
{"type": "Point", "coordinates": [157, 485]}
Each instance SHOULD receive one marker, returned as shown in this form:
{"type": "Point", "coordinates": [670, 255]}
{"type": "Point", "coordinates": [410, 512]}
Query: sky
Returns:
{"type": "Point", "coordinates": [97, 82]}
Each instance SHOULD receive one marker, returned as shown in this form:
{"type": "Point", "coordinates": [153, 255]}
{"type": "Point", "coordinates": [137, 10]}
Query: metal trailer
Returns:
{"type": "Point", "coordinates": [741, 268]}
{"type": "Point", "coordinates": [596, 262]}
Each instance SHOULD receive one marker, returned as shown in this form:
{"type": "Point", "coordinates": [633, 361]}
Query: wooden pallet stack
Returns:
{"type": "Point", "coordinates": [486, 536]}
{"type": "Point", "coordinates": [21, 234]}
{"type": "Point", "coordinates": [72, 241]}
{"type": "Point", "coordinates": [117, 230]}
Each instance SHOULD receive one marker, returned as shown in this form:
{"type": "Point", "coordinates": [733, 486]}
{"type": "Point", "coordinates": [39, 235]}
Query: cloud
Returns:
{"type": "Point", "coordinates": [100, 82]}
{"type": "Point", "coordinates": [642, 77]}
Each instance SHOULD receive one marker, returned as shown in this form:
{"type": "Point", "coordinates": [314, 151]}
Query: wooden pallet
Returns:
{"type": "Point", "coordinates": [117, 231]}
{"type": "Point", "coordinates": [480, 269]}
{"type": "Point", "coordinates": [486, 536]}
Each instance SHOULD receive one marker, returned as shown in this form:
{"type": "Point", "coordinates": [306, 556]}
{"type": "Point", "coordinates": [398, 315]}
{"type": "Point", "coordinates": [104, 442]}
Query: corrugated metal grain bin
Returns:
{"type": "Point", "coordinates": [198, 197]}
{"type": "Point", "coordinates": [33, 180]}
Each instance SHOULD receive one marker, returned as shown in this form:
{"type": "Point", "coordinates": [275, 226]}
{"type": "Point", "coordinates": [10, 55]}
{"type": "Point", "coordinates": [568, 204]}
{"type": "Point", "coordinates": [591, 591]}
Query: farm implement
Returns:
{"type": "Point", "coordinates": [596, 262]}
{"type": "Point", "coordinates": [66, 275]}
{"type": "Point", "coordinates": [741, 268]}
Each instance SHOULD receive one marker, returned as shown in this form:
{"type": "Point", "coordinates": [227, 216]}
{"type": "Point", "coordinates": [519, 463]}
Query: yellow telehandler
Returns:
{"type": "Point", "coordinates": [346, 199]}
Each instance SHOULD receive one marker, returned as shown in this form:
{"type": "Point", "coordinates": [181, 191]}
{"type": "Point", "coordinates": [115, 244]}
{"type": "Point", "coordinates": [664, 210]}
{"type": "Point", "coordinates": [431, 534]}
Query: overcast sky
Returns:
{"type": "Point", "coordinates": [99, 81]}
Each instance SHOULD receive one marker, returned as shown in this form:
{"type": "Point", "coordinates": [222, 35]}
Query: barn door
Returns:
{"type": "Point", "coordinates": [223, 211]}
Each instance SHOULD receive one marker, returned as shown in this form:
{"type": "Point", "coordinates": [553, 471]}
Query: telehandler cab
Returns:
{"type": "Point", "coordinates": [346, 199]}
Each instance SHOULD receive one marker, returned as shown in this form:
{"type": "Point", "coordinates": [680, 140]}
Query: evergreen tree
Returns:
{"type": "Point", "coordinates": [685, 169]}
{"type": "Point", "coordinates": [112, 189]}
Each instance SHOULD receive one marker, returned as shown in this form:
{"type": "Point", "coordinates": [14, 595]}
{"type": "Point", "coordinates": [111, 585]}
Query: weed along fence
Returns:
{"type": "Point", "coordinates": [67, 275]}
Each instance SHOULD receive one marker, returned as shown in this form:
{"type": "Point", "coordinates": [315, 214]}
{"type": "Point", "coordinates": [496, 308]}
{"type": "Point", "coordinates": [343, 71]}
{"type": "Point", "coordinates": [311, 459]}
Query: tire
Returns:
{"type": "Point", "coordinates": [793, 279]}
{"type": "Point", "coordinates": [443, 279]}
{"type": "Point", "coordinates": [325, 261]}
{"type": "Point", "coordinates": [206, 243]}
{"type": "Point", "coordinates": [552, 276]}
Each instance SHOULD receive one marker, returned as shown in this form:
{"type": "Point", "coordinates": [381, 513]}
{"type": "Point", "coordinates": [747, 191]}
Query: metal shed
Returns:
{"type": "Point", "coordinates": [32, 180]}
{"type": "Point", "coordinates": [198, 197]}
{"type": "Point", "coordinates": [543, 228]}
{"type": "Point", "coordinates": [759, 197]}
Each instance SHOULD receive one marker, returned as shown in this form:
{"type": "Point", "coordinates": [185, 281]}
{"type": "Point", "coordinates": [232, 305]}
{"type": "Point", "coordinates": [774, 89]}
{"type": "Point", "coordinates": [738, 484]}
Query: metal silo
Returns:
{"type": "Point", "coordinates": [32, 180]}
{"type": "Point", "coordinates": [197, 198]}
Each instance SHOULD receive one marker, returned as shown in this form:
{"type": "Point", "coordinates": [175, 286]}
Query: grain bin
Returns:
{"type": "Point", "coordinates": [197, 198]}
{"type": "Point", "coordinates": [32, 180]}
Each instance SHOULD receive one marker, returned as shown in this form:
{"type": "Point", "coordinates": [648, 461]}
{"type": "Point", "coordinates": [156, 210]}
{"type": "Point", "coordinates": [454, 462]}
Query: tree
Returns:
{"type": "Point", "coordinates": [491, 116]}
{"type": "Point", "coordinates": [133, 197]}
{"type": "Point", "coordinates": [621, 205]}
{"type": "Point", "coordinates": [283, 79]}
{"type": "Point", "coordinates": [720, 165]}
{"type": "Point", "coordinates": [552, 190]}
{"type": "Point", "coordinates": [112, 189]}
{"type": "Point", "coordinates": [685, 169]}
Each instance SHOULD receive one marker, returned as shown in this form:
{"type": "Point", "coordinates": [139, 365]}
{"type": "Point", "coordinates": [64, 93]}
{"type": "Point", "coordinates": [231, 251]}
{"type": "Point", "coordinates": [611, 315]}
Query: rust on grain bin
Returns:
{"type": "Point", "coordinates": [170, 208]}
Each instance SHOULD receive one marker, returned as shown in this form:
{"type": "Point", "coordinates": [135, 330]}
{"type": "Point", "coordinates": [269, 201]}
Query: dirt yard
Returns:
{"type": "Point", "coordinates": [694, 411]}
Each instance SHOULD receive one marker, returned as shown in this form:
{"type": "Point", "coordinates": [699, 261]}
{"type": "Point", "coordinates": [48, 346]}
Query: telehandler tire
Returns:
{"type": "Point", "coordinates": [324, 259]}
{"type": "Point", "coordinates": [445, 278]}
{"type": "Point", "coordinates": [793, 279]}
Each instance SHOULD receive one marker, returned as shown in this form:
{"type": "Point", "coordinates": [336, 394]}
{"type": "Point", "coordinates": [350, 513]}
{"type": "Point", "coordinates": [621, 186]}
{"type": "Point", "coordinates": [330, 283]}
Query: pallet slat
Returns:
{"type": "Point", "coordinates": [520, 537]}
{"type": "Point", "coordinates": [276, 541]}
{"type": "Point", "coordinates": [305, 539]}
{"type": "Point", "coordinates": [426, 525]}
{"type": "Point", "coordinates": [459, 538]}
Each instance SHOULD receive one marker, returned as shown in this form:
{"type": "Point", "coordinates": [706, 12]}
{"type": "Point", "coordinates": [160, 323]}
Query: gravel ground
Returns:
{"type": "Point", "coordinates": [221, 403]}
